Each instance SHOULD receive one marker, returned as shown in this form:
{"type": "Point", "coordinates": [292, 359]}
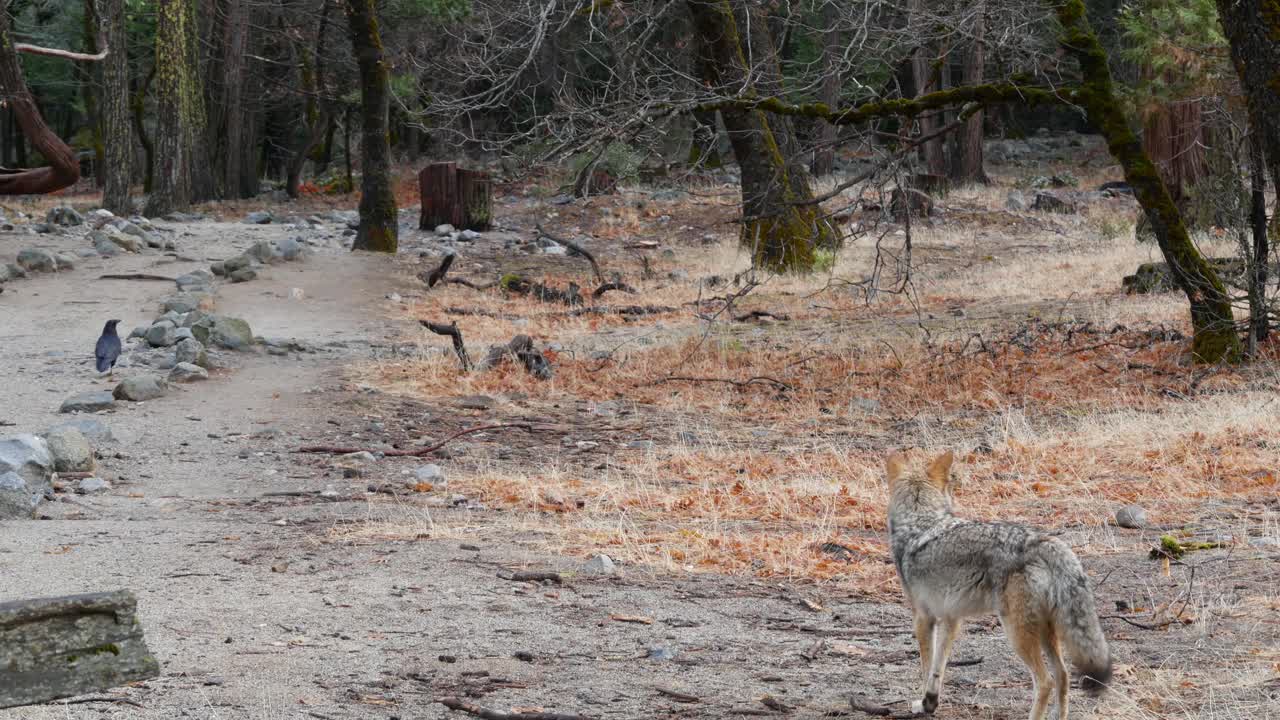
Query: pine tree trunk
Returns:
{"type": "Point", "coordinates": [92, 90]}
{"type": "Point", "coordinates": [1258, 325]}
{"type": "Point", "coordinates": [923, 77]}
{"type": "Point", "coordinates": [1253, 29]}
{"type": "Point", "coordinates": [1215, 338]}
{"type": "Point", "coordinates": [379, 231]}
{"type": "Point", "coordinates": [780, 224]}
{"type": "Point", "coordinates": [824, 155]}
{"type": "Point", "coordinates": [968, 162]}
{"type": "Point", "coordinates": [115, 111]}
{"type": "Point", "coordinates": [233, 68]}
{"type": "Point", "coordinates": [182, 173]}
{"type": "Point", "coordinates": [138, 107]}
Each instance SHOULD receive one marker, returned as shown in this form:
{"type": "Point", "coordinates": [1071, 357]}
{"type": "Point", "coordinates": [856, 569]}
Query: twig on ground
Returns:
{"type": "Point", "coordinates": [623, 310]}
{"type": "Point", "coordinates": [435, 276]}
{"type": "Point", "coordinates": [616, 285]}
{"type": "Point", "coordinates": [452, 331]}
{"type": "Point", "coordinates": [328, 450]}
{"type": "Point", "coordinates": [474, 286]}
{"type": "Point", "coordinates": [678, 696]}
{"type": "Point", "coordinates": [595, 267]}
{"type": "Point", "coordinates": [760, 314]}
{"type": "Point", "coordinates": [758, 380]}
{"type": "Point", "coordinates": [136, 276]}
{"type": "Point", "coordinates": [454, 703]}
{"type": "Point", "coordinates": [533, 576]}
{"type": "Point", "coordinates": [878, 710]}
{"type": "Point", "coordinates": [99, 699]}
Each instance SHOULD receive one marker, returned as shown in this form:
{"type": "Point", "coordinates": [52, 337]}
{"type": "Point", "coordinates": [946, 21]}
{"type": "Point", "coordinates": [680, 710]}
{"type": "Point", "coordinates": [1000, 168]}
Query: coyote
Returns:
{"type": "Point", "coordinates": [953, 568]}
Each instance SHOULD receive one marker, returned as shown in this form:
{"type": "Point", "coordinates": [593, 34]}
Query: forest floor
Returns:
{"type": "Point", "coordinates": [729, 464]}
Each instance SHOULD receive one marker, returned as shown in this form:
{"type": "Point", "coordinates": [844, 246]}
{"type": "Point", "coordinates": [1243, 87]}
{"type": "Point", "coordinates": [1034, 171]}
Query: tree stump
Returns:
{"type": "Point", "coordinates": [59, 647]}
{"type": "Point", "coordinates": [455, 196]}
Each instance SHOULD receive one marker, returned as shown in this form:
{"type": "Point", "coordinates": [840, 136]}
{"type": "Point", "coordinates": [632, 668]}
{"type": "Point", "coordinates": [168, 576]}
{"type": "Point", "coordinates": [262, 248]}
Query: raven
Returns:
{"type": "Point", "coordinates": [108, 348]}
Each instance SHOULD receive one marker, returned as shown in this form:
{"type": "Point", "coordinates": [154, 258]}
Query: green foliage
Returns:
{"type": "Point", "coordinates": [1180, 45]}
{"type": "Point", "coordinates": [824, 260]}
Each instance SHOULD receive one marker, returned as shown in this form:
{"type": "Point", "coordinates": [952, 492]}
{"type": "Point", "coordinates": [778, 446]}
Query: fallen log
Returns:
{"type": "Point", "coordinates": [60, 647]}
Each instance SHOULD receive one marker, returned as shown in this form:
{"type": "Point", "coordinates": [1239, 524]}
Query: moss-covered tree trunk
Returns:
{"type": "Point", "coordinates": [182, 174]}
{"type": "Point", "coordinates": [1215, 337]}
{"type": "Point", "coordinates": [117, 170]}
{"type": "Point", "coordinates": [378, 231]}
{"type": "Point", "coordinates": [780, 224]}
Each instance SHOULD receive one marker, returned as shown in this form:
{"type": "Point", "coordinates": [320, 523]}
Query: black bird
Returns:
{"type": "Point", "coordinates": [108, 348]}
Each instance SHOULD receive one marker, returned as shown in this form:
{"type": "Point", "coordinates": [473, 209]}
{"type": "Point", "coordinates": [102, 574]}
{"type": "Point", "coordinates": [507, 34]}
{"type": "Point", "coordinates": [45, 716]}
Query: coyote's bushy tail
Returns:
{"type": "Point", "coordinates": [1080, 632]}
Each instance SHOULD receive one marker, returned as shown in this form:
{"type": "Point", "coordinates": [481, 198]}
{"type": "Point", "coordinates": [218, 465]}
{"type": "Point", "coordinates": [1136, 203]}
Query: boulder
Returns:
{"type": "Point", "coordinates": [88, 402]}
{"type": "Point", "coordinates": [162, 334]}
{"type": "Point", "coordinates": [257, 218]}
{"type": "Point", "coordinates": [25, 465]}
{"type": "Point", "coordinates": [191, 351]}
{"type": "Point", "coordinates": [187, 373]}
{"type": "Point", "coordinates": [265, 252]}
{"type": "Point", "coordinates": [70, 450]}
{"type": "Point", "coordinates": [223, 331]}
{"type": "Point", "coordinates": [93, 429]}
{"type": "Point", "coordinates": [64, 216]}
{"type": "Point", "coordinates": [37, 260]}
{"type": "Point", "coordinates": [1054, 203]}
{"type": "Point", "coordinates": [140, 388]}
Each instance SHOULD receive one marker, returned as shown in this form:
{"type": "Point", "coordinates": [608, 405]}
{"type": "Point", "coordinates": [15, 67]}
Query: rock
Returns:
{"type": "Point", "coordinates": [1054, 203]}
{"type": "Point", "coordinates": [188, 373]}
{"type": "Point", "coordinates": [257, 218]}
{"type": "Point", "coordinates": [70, 450]}
{"type": "Point", "coordinates": [88, 402]}
{"type": "Point", "coordinates": [195, 281]}
{"type": "Point", "coordinates": [162, 334]}
{"type": "Point", "coordinates": [1132, 517]}
{"type": "Point", "coordinates": [93, 429]}
{"type": "Point", "coordinates": [182, 217]}
{"type": "Point", "coordinates": [223, 331]}
{"type": "Point", "coordinates": [92, 485]}
{"type": "Point", "coordinates": [469, 235]}
{"type": "Point", "coordinates": [99, 217]}
{"type": "Point", "coordinates": [1116, 187]}
{"type": "Point", "coordinates": [659, 652]}
{"type": "Point", "coordinates": [364, 456]}
{"type": "Point", "coordinates": [1062, 180]}
{"type": "Point", "coordinates": [1156, 277]}
{"type": "Point", "coordinates": [182, 303]}
{"type": "Point", "coordinates": [243, 275]}
{"type": "Point", "coordinates": [84, 253]}
{"type": "Point", "coordinates": [265, 252]}
{"type": "Point", "coordinates": [475, 402]}
{"type": "Point", "coordinates": [600, 565]}
{"type": "Point", "coordinates": [140, 388]}
{"type": "Point", "coordinates": [290, 249]}
{"type": "Point", "coordinates": [103, 245]}
{"type": "Point", "coordinates": [1016, 201]}
{"type": "Point", "coordinates": [429, 474]}
{"type": "Point", "coordinates": [37, 260]}
{"type": "Point", "coordinates": [445, 230]}
{"type": "Point", "coordinates": [65, 261]}
{"type": "Point", "coordinates": [645, 445]}
{"type": "Point", "coordinates": [64, 216]}
{"type": "Point", "coordinates": [123, 240]}
{"type": "Point", "coordinates": [25, 465]}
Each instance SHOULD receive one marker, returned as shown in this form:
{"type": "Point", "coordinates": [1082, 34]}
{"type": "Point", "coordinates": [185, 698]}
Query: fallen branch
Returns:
{"type": "Point", "coordinates": [534, 576]}
{"type": "Point", "coordinates": [678, 696]}
{"type": "Point", "coordinates": [64, 54]}
{"type": "Point", "coordinates": [616, 285]}
{"type": "Point", "coordinates": [595, 267]}
{"type": "Point", "coordinates": [878, 710]}
{"type": "Point", "coordinates": [760, 314]}
{"type": "Point", "coordinates": [452, 331]}
{"type": "Point", "coordinates": [328, 450]}
{"type": "Point", "coordinates": [474, 286]}
{"type": "Point", "coordinates": [454, 703]}
{"type": "Point", "coordinates": [136, 276]}
{"type": "Point", "coordinates": [540, 291]}
{"type": "Point", "coordinates": [521, 348]}
{"type": "Point", "coordinates": [624, 310]}
{"type": "Point", "coordinates": [438, 274]}
{"type": "Point", "coordinates": [100, 699]}
{"type": "Point", "coordinates": [758, 380]}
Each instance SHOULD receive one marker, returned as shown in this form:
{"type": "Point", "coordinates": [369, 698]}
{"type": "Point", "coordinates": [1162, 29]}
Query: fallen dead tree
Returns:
{"type": "Point", "coordinates": [521, 350]}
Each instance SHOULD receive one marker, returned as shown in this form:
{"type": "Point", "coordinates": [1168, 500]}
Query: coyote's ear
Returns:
{"type": "Point", "coordinates": [939, 471]}
{"type": "Point", "coordinates": [894, 466]}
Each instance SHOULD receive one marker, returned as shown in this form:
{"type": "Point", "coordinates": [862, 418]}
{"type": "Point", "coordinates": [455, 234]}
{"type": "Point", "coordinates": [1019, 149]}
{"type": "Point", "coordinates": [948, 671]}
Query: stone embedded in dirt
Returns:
{"type": "Point", "coordinates": [37, 260]}
{"type": "Point", "coordinates": [445, 230]}
{"type": "Point", "coordinates": [70, 450]}
{"type": "Point", "coordinates": [290, 248]}
{"type": "Point", "coordinates": [243, 275]}
{"type": "Point", "coordinates": [1132, 517]}
{"type": "Point", "coordinates": [645, 445]}
{"type": "Point", "coordinates": [140, 388]}
{"type": "Point", "coordinates": [181, 303]}
{"type": "Point", "coordinates": [162, 334]}
{"type": "Point", "coordinates": [92, 485]}
{"type": "Point", "coordinates": [223, 331]}
{"type": "Point", "coordinates": [1016, 201]}
{"type": "Point", "coordinates": [200, 281]}
{"type": "Point", "coordinates": [187, 373]}
{"type": "Point", "coordinates": [429, 474]}
{"type": "Point", "coordinates": [64, 216]}
{"type": "Point", "coordinates": [25, 465]}
{"type": "Point", "coordinates": [103, 245]}
{"type": "Point", "coordinates": [475, 402]}
{"type": "Point", "coordinates": [658, 652]}
{"type": "Point", "coordinates": [257, 218]}
{"type": "Point", "coordinates": [65, 261]}
{"type": "Point", "coordinates": [94, 430]}
{"type": "Point", "coordinates": [88, 402]}
{"type": "Point", "coordinates": [265, 251]}
{"type": "Point", "coordinates": [469, 236]}
{"type": "Point", "coordinates": [1054, 203]}
{"type": "Point", "coordinates": [600, 565]}
{"type": "Point", "coordinates": [99, 217]}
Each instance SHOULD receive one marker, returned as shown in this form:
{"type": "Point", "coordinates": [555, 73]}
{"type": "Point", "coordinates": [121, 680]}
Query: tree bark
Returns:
{"type": "Point", "coordinates": [824, 154]}
{"type": "Point", "coordinates": [91, 90]}
{"type": "Point", "coordinates": [63, 169]}
{"type": "Point", "coordinates": [1215, 338]}
{"type": "Point", "coordinates": [182, 174]}
{"type": "Point", "coordinates": [115, 111]}
{"type": "Point", "coordinates": [138, 108]}
{"type": "Point", "coordinates": [923, 78]}
{"type": "Point", "coordinates": [1252, 28]}
{"type": "Point", "coordinates": [379, 230]}
{"type": "Point", "coordinates": [233, 68]}
{"type": "Point", "coordinates": [780, 225]}
{"type": "Point", "coordinates": [1258, 325]}
{"type": "Point", "coordinates": [968, 162]}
